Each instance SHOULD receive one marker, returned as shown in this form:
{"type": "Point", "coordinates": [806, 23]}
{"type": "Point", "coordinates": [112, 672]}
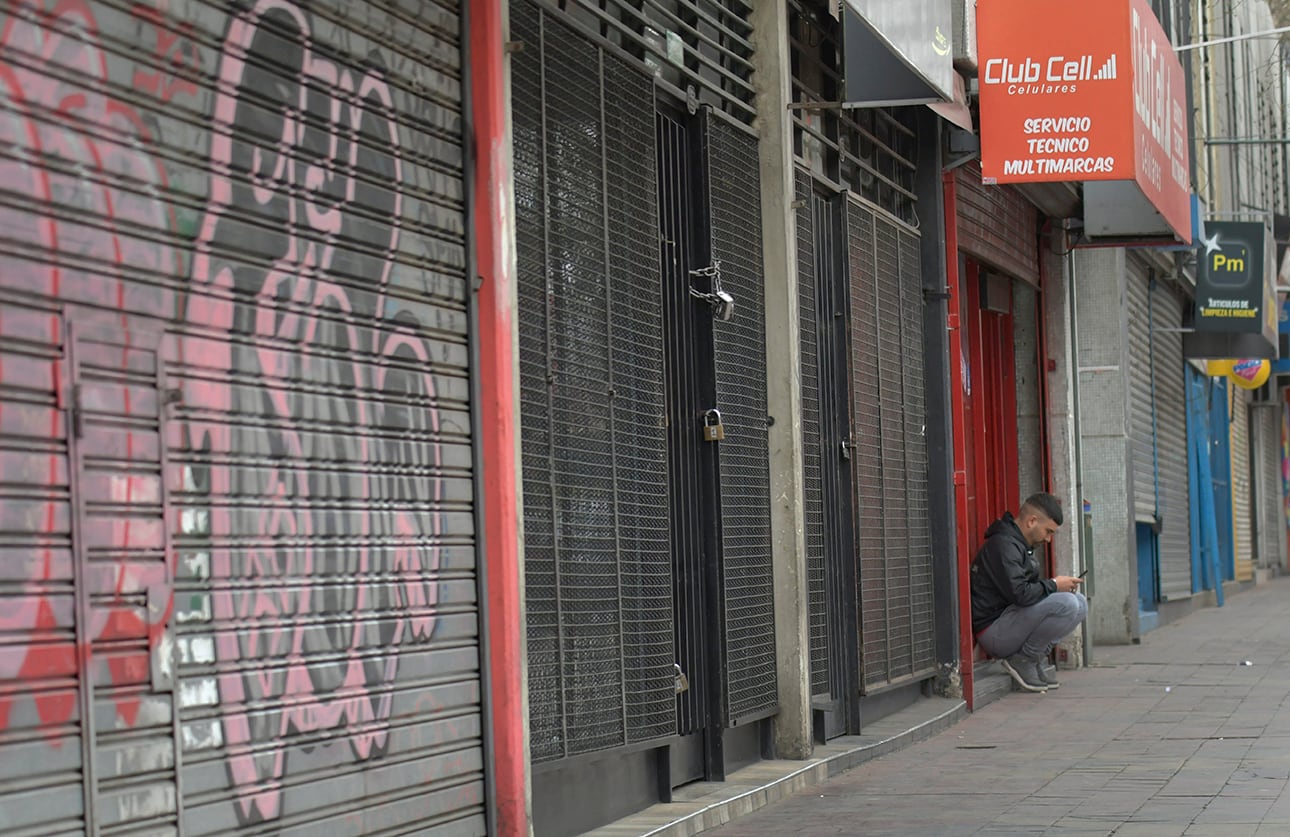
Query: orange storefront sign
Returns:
{"type": "Point", "coordinates": [1083, 91]}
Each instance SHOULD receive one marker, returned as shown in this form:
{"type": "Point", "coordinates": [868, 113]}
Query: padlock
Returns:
{"type": "Point", "coordinates": [713, 429]}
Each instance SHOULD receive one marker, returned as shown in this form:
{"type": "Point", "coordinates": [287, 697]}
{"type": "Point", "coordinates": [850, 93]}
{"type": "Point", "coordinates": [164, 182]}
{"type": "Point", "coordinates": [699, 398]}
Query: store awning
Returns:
{"type": "Point", "coordinates": [897, 53]}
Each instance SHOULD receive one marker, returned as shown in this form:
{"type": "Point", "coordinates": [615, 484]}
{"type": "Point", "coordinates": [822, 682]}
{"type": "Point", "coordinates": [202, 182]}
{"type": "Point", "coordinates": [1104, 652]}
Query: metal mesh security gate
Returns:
{"type": "Point", "coordinates": [892, 529]}
{"type": "Point", "coordinates": [823, 285]}
{"type": "Point", "coordinates": [598, 582]}
{"type": "Point", "coordinates": [734, 201]}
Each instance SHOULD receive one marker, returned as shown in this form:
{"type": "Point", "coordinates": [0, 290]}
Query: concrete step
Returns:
{"type": "Point", "coordinates": [704, 805]}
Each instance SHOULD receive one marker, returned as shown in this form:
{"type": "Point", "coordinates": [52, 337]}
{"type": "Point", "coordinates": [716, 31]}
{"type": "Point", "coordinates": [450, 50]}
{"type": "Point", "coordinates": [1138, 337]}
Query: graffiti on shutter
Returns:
{"type": "Point", "coordinates": [313, 467]}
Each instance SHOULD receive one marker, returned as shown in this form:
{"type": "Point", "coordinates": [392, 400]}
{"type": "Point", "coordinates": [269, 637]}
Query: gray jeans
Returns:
{"type": "Point", "coordinates": [1032, 631]}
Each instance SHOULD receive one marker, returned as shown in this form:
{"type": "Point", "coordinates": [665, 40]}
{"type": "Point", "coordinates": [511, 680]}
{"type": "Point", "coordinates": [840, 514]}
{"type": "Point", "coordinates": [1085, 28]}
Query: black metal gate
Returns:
{"type": "Point", "coordinates": [719, 490]}
{"type": "Point", "coordinates": [827, 451]}
{"type": "Point", "coordinates": [639, 574]}
{"type": "Point", "coordinates": [691, 461]}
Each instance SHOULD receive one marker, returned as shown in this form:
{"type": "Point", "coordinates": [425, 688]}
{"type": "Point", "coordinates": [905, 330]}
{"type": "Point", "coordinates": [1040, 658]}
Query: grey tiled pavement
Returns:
{"type": "Point", "coordinates": [1176, 736]}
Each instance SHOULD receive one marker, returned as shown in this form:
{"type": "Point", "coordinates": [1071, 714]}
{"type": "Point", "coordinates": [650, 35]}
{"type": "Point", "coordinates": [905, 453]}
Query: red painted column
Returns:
{"type": "Point", "coordinates": [493, 225]}
{"type": "Point", "coordinates": [958, 424]}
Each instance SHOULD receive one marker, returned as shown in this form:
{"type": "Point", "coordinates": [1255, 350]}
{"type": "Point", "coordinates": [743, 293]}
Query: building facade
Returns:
{"type": "Point", "coordinates": [494, 417]}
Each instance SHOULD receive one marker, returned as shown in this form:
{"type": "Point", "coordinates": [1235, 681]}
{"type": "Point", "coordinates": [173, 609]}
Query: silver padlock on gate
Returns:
{"type": "Point", "coordinates": [713, 429]}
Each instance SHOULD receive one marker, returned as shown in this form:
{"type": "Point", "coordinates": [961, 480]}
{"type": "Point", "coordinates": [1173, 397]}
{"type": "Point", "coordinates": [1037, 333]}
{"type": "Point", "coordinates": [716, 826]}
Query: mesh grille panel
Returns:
{"type": "Point", "coordinates": [894, 541]}
{"type": "Point", "coordinates": [641, 467]}
{"type": "Point", "coordinates": [541, 604]}
{"type": "Point", "coordinates": [812, 488]}
{"type": "Point", "coordinates": [597, 568]}
{"type": "Point", "coordinates": [740, 351]}
{"type": "Point", "coordinates": [581, 456]}
{"type": "Point", "coordinates": [891, 419]}
{"type": "Point", "coordinates": [922, 616]}
{"type": "Point", "coordinates": [865, 361]}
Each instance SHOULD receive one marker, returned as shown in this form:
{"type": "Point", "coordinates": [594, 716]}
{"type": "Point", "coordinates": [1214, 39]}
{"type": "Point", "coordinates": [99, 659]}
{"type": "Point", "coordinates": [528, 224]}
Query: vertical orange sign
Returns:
{"type": "Point", "coordinates": [1083, 91]}
{"type": "Point", "coordinates": [1160, 120]}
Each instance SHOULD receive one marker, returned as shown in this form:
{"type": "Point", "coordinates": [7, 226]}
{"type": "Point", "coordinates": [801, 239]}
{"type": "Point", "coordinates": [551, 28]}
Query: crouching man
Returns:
{"type": "Point", "coordinates": [1017, 616]}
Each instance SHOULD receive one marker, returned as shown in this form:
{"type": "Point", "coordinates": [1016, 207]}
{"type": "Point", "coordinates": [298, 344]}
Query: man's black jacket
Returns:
{"type": "Point", "coordinates": [1005, 572]}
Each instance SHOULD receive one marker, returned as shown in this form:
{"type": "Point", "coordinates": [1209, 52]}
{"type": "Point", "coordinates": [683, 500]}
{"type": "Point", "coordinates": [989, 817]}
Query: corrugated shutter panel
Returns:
{"type": "Point", "coordinates": [896, 618]}
{"type": "Point", "coordinates": [734, 193]}
{"type": "Point", "coordinates": [597, 562]}
{"type": "Point", "coordinates": [1271, 509]}
{"type": "Point", "coordinates": [41, 763]}
{"type": "Point", "coordinates": [277, 192]}
{"type": "Point", "coordinates": [120, 497]}
{"type": "Point", "coordinates": [812, 486]}
{"type": "Point", "coordinates": [1243, 547]}
{"type": "Point", "coordinates": [1171, 442]}
{"type": "Point", "coordinates": [1141, 430]}
{"type": "Point", "coordinates": [335, 465]}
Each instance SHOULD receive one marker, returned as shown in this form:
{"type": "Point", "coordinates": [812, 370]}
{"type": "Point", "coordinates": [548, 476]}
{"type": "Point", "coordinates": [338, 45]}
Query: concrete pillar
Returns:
{"type": "Point", "coordinates": [772, 79]}
{"type": "Point", "coordinates": [1060, 414]}
{"type": "Point", "coordinates": [1106, 452]}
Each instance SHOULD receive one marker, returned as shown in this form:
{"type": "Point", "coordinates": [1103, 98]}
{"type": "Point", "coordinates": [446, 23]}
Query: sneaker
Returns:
{"type": "Point", "coordinates": [1049, 675]}
{"type": "Point", "coordinates": [1025, 673]}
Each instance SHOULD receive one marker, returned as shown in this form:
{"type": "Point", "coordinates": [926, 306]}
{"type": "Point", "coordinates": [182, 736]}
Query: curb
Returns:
{"type": "Point", "coordinates": [754, 792]}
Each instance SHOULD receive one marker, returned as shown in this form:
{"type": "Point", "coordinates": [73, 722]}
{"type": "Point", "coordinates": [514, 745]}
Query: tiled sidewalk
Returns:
{"type": "Point", "coordinates": [1178, 735]}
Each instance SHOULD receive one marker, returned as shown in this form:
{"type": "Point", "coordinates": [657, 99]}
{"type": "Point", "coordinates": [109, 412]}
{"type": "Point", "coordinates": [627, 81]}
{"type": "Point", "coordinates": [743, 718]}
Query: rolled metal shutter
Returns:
{"type": "Point", "coordinates": [598, 573]}
{"type": "Point", "coordinates": [1169, 372]}
{"type": "Point", "coordinates": [997, 225]}
{"type": "Point", "coordinates": [251, 259]}
{"type": "Point", "coordinates": [734, 195]}
{"type": "Point", "coordinates": [812, 485]}
{"type": "Point", "coordinates": [1271, 507]}
{"type": "Point", "coordinates": [892, 534]}
{"type": "Point", "coordinates": [1142, 431]}
{"type": "Point", "coordinates": [1243, 546]}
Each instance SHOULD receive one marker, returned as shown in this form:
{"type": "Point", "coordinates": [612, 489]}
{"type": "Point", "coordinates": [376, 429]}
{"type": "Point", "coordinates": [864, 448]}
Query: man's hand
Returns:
{"type": "Point", "coordinates": [1067, 583]}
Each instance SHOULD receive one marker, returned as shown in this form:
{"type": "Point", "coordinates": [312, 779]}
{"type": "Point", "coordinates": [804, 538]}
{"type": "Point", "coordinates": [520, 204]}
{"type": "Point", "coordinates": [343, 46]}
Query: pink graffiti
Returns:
{"type": "Point", "coordinates": [75, 148]}
{"type": "Point", "coordinates": [174, 52]}
{"type": "Point", "coordinates": [308, 340]}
